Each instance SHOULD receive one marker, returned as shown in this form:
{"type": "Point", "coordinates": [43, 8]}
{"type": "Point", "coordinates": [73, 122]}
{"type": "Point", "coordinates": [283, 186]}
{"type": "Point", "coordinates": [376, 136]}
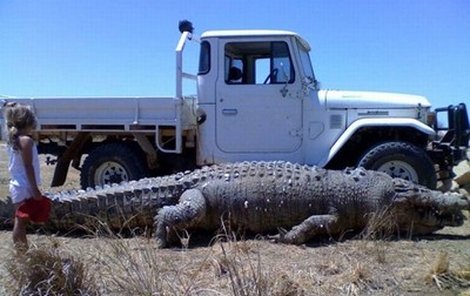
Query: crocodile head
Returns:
{"type": "Point", "coordinates": [420, 210]}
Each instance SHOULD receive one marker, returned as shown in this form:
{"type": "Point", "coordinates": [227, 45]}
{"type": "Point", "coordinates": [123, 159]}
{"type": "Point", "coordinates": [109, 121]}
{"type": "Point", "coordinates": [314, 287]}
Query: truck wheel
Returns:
{"type": "Point", "coordinates": [111, 163]}
{"type": "Point", "coordinates": [401, 160]}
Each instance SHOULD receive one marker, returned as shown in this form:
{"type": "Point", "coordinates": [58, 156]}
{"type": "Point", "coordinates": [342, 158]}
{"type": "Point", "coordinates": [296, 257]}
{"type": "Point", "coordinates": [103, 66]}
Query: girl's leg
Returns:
{"type": "Point", "coordinates": [19, 233]}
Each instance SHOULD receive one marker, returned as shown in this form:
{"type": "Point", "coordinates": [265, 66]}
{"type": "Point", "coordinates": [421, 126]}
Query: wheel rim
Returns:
{"type": "Point", "coordinates": [399, 169]}
{"type": "Point", "coordinates": [110, 172]}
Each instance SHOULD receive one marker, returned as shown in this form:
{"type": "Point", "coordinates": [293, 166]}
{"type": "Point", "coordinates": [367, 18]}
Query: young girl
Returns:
{"type": "Point", "coordinates": [23, 166]}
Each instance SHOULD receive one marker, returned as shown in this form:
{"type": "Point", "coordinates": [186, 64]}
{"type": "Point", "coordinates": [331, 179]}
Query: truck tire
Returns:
{"type": "Point", "coordinates": [401, 160]}
{"type": "Point", "coordinates": [111, 163]}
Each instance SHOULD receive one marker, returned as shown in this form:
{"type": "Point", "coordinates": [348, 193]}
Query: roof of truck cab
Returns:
{"type": "Point", "coordinates": [254, 33]}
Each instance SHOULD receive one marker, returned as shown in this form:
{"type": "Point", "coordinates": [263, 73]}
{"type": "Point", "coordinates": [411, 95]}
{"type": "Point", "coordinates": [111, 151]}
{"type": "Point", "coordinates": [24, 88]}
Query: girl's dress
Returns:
{"type": "Point", "coordinates": [20, 190]}
{"type": "Point", "coordinates": [19, 186]}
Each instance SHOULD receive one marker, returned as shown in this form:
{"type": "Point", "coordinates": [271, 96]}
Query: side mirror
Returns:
{"type": "Point", "coordinates": [311, 83]}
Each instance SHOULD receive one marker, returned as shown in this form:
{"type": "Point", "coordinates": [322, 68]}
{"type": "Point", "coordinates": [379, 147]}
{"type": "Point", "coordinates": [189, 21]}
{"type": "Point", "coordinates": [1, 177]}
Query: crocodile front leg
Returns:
{"type": "Point", "coordinates": [188, 212]}
{"type": "Point", "coordinates": [309, 228]}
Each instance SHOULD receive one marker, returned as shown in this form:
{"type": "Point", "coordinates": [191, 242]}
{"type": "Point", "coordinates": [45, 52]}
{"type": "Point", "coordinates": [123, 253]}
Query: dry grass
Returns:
{"type": "Point", "coordinates": [371, 264]}
{"type": "Point", "coordinates": [117, 266]}
{"type": "Point", "coordinates": [446, 278]}
{"type": "Point", "coordinates": [47, 270]}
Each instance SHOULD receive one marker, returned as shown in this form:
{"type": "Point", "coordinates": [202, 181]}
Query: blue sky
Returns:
{"type": "Point", "coordinates": [126, 48]}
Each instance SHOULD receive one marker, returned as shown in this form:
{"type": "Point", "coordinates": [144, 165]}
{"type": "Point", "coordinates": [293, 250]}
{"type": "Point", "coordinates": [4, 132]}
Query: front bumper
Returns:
{"type": "Point", "coordinates": [452, 140]}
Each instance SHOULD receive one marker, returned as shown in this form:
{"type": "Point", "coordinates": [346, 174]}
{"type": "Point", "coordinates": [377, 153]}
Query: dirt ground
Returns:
{"type": "Point", "coordinates": [352, 267]}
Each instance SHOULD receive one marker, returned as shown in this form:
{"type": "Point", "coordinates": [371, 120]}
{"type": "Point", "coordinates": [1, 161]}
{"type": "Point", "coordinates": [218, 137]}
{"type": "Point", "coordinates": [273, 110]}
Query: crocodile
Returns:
{"type": "Point", "coordinates": [309, 201]}
{"type": "Point", "coordinates": [261, 197]}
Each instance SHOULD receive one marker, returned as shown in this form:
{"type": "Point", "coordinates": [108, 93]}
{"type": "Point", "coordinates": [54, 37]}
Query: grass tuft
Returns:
{"type": "Point", "coordinates": [241, 264]}
{"type": "Point", "coordinates": [45, 270]}
{"type": "Point", "coordinates": [445, 278]}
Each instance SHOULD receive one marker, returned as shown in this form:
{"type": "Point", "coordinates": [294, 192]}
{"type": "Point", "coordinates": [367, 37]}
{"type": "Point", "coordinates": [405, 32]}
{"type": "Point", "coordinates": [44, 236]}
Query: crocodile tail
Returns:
{"type": "Point", "coordinates": [94, 211]}
{"type": "Point", "coordinates": [101, 211]}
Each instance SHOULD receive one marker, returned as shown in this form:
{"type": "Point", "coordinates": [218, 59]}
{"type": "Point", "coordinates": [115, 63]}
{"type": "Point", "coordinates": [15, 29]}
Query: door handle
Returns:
{"type": "Point", "coordinates": [229, 111]}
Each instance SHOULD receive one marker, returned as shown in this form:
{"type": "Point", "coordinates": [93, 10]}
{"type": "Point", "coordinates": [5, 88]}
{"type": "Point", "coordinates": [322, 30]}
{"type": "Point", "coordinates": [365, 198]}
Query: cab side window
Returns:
{"type": "Point", "coordinates": [204, 58]}
{"type": "Point", "coordinates": [258, 63]}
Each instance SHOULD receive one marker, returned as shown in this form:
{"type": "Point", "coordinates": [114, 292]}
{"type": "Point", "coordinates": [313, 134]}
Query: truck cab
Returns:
{"type": "Point", "coordinates": [255, 103]}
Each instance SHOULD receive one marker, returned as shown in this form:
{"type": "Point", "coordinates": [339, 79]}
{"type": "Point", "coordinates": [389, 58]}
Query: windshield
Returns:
{"type": "Point", "coordinates": [306, 63]}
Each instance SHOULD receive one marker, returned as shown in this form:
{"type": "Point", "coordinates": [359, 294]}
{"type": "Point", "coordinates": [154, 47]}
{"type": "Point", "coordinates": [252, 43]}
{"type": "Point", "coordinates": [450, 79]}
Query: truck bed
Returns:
{"type": "Point", "coordinates": [110, 113]}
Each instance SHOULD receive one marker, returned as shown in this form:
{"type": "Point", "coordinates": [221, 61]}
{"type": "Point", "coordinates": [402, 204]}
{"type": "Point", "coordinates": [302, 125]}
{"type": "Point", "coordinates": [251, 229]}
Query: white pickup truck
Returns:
{"type": "Point", "coordinates": [257, 99]}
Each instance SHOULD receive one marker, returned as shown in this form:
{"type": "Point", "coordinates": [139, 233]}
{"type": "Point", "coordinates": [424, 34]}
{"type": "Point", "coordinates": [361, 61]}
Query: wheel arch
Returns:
{"type": "Point", "coordinates": [363, 134]}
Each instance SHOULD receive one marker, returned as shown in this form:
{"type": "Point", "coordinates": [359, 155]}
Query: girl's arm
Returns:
{"type": "Point", "coordinates": [27, 144]}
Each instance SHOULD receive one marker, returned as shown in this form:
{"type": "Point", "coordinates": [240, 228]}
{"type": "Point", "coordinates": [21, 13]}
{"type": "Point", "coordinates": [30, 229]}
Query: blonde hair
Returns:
{"type": "Point", "coordinates": [18, 119]}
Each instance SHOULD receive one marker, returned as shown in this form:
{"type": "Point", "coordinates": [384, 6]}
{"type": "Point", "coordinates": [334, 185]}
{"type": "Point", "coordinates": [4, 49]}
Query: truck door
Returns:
{"type": "Point", "coordinates": [257, 110]}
